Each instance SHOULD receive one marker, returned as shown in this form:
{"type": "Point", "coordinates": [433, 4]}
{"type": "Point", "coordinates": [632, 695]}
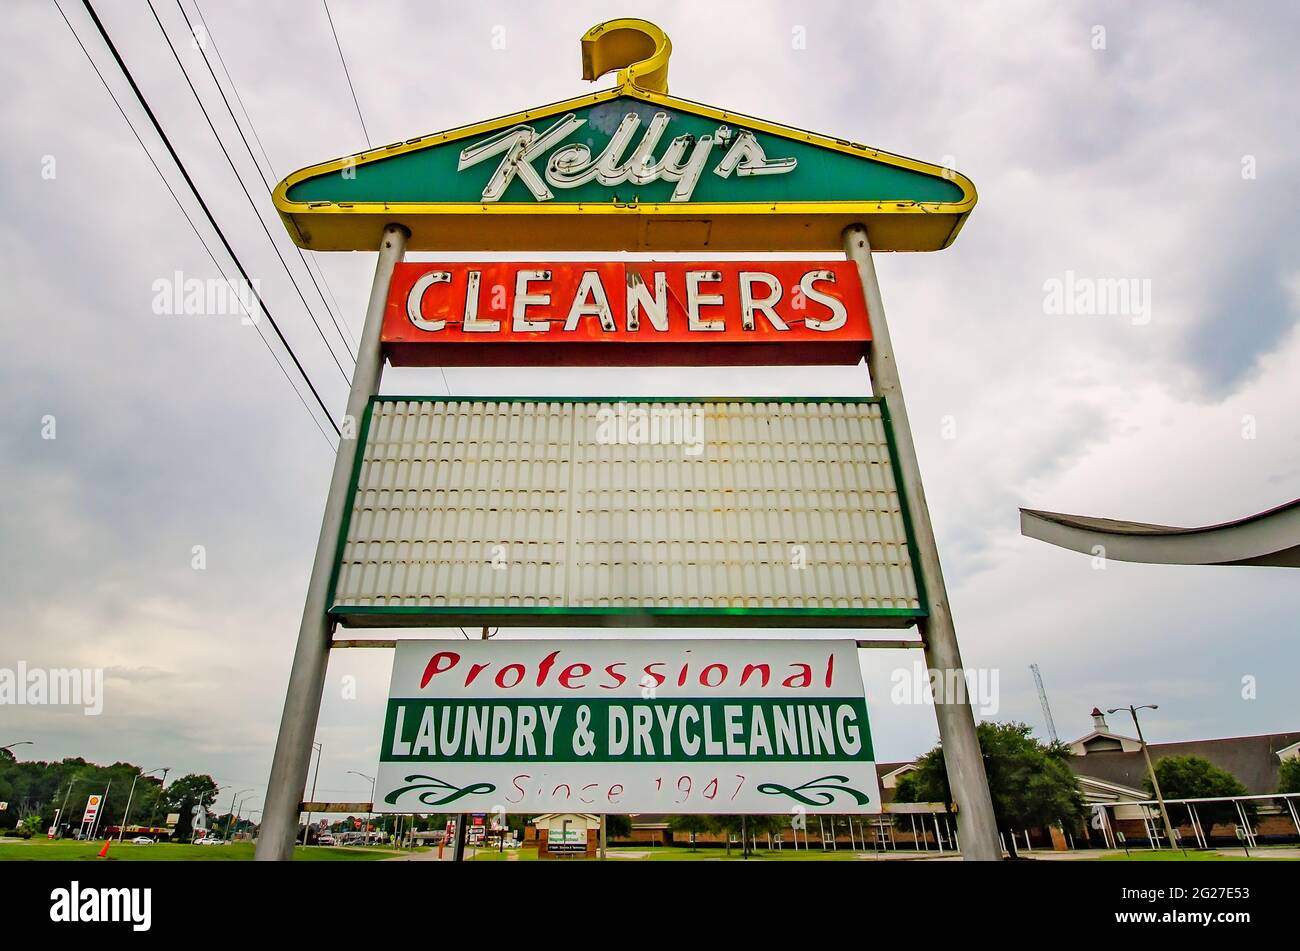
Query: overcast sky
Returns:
{"type": "Point", "coordinates": [1150, 141]}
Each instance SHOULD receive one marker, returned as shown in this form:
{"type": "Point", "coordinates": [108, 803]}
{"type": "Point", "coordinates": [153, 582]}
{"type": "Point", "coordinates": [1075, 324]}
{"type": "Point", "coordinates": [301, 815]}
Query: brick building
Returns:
{"type": "Point", "coordinates": [1112, 772]}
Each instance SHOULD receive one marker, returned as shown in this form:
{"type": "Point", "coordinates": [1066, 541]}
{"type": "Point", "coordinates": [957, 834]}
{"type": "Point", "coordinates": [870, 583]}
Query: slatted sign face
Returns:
{"type": "Point", "coordinates": [643, 513]}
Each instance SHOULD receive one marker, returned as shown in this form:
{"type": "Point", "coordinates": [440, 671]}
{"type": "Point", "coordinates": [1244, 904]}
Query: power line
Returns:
{"type": "Point", "coordinates": [271, 165]}
{"type": "Point", "coordinates": [238, 98]}
{"type": "Point", "coordinates": [339, 326]}
{"type": "Point", "coordinates": [240, 178]}
{"type": "Point", "coordinates": [190, 221]}
{"type": "Point", "coordinates": [339, 47]}
{"type": "Point", "coordinates": [144, 103]}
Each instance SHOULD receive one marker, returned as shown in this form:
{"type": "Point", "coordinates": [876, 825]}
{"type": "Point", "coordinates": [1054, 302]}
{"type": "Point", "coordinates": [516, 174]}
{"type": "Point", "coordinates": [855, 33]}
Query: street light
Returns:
{"type": "Point", "coordinates": [365, 838]}
{"type": "Point", "coordinates": [153, 813]}
{"type": "Point", "coordinates": [72, 782]}
{"type": "Point", "coordinates": [194, 832]}
{"type": "Point", "coordinates": [126, 816]}
{"type": "Point", "coordinates": [1155, 783]}
{"type": "Point", "coordinates": [19, 743]}
{"type": "Point", "coordinates": [58, 816]}
{"type": "Point", "coordinates": [232, 807]}
{"type": "Point", "coordinates": [320, 751]}
{"type": "Point", "coordinates": [235, 818]}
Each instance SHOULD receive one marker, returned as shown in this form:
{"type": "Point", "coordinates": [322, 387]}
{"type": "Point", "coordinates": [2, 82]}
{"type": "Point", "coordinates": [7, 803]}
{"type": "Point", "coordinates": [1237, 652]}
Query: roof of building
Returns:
{"type": "Point", "coordinates": [889, 792]}
{"type": "Point", "coordinates": [1252, 759]}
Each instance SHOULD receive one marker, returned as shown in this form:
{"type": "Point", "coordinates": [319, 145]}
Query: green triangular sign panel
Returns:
{"type": "Point", "coordinates": [794, 171]}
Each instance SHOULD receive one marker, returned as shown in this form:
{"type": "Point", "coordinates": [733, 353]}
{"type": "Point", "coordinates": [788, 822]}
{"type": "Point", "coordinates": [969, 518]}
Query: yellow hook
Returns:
{"type": "Point", "coordinates": [637, 48]}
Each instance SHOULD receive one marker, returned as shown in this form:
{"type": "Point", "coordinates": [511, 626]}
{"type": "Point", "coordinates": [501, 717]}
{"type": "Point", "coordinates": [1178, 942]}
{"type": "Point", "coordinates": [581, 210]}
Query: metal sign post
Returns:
{"type": "Point", "coordinates": [293, 746]}
{"type": "Point", "coordinates": [976, 824]}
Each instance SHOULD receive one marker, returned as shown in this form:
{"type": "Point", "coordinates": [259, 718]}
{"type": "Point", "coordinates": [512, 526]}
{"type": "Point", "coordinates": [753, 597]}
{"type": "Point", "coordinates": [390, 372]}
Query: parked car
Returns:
{"type": "Point", "coordinates": [210, 840]}
{"type": "Point", "coordinates": [325, 839]}
{"type": "Point", "coordinates": [142, 840]}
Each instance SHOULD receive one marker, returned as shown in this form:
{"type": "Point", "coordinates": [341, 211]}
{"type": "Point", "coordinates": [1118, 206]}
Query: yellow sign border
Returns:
{"type": "Point", "coordinates": [625, 226]}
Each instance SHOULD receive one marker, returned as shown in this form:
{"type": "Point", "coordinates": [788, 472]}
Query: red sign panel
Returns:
{"type": "Point", "coordinates": [635, 313]}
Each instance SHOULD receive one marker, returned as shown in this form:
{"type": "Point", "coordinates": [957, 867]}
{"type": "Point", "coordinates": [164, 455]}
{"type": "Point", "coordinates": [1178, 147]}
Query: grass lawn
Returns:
{"type": "Point", "coordinates": [704, 854]}
{"type": "Point", "coordinates": [66, 850]}
{"type": "Point", "coordinates": [494, 855]}
{"type": "Point", "coordinates": [682, 854]}
{"type": "Point", "coordinates": [1168, 856]}
{"type": "Point", "coordinates": [43, 850]}
{"type": "Point", "coordinates": [674, 854]}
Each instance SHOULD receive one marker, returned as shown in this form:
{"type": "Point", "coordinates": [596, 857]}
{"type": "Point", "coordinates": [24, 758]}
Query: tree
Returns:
{"type": "Point", "coordinates": [1193, 777]}
{"type": "Point", "coordinates": [47, 787]}
{"type": "Point", "coordinates": [905, 790]}
{"type": "Point", "coordinates": [760, 827]}
{"type": "Point", "coordinates": [183, 795]}
{"type": "Point", "coordinates": [1030, 782]}
{"type": "Point", "coordinates": [37, 784]}
{"type": "Point", "coordinates": [728, 826]}
{"type": "Point", "coordinates": [1288, 778]}
{"type": "Point", "coordinates": [618, 827]}
{"type": "Point", "coordinates": [30, 826]}
{"type": "Point", "coordinates": [693, 825]}
{"type": "Point", "coordinates": [744, 827]}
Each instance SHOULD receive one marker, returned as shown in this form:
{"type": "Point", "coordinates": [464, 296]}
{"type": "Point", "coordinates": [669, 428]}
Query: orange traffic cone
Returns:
{"type": "Point", "coordinates": [103, 853]}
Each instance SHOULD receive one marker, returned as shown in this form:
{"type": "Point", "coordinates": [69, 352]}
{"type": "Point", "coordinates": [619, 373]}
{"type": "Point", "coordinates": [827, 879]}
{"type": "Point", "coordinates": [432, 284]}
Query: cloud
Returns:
{"type": "Point", "coordinates": [1122, 162]}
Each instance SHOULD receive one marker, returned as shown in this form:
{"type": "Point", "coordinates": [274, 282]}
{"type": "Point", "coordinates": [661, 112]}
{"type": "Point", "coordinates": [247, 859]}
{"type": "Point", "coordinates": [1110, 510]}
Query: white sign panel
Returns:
{"type": "Point", "coordinates": [612, 726]}
{"type": "Point", "coordinates": [699, 513]}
